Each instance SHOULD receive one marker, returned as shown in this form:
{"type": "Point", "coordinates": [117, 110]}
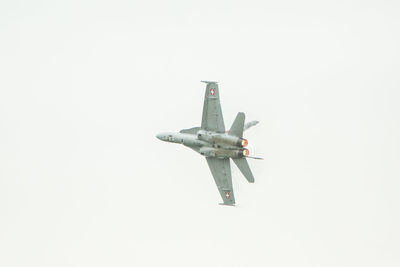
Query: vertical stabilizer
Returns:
{"type": "Point", "coordinates": [244, 167]}
{"type": "Point", "coordinates": [238, 125]}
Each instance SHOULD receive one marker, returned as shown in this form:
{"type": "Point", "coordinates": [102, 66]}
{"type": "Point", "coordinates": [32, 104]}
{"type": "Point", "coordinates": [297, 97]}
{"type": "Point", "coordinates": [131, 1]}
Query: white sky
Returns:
{"type": "Point", "coordinates": [86, 85]}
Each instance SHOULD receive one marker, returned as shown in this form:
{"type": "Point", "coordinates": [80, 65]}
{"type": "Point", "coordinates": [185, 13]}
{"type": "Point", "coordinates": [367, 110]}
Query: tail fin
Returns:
{"type": "Point", "coordinates": [243, 166]}
{"type": "Point", "coordinates": [238, 125]}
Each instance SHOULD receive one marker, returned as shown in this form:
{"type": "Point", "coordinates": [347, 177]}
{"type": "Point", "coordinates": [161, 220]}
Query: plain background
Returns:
{"type": "Point", "coordinates": [86, 85]}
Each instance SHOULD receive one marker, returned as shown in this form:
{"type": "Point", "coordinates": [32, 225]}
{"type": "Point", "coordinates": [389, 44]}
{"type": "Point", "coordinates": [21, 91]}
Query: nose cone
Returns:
{"type": "Point", "coordinates": [159, 136]}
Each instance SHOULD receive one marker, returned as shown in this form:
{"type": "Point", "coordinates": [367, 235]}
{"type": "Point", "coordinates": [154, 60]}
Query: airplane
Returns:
{"type": "Point", "coordinates": [216, 144]}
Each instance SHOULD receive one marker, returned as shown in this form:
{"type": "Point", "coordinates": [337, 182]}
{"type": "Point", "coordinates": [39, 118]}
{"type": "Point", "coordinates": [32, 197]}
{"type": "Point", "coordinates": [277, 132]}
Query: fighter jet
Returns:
{"type": "Point", "coordinates": [216, 144]}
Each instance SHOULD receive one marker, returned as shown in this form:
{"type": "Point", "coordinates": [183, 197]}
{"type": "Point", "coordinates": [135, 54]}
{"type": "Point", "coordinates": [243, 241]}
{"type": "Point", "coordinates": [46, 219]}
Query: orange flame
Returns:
{"type": "Point", "coordinates": [244, 142]}
{"type": "Point", "coordinates": [246, 152]}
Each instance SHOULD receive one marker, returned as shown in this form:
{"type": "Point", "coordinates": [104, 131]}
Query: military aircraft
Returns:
{"type": "Point", "coordinates": [217, 145]}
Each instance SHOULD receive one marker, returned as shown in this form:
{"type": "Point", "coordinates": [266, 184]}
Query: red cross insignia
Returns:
{"type": "Point", "coordinates": [227, 195]}
{"type": "Point", "coordinates": [212, 91]}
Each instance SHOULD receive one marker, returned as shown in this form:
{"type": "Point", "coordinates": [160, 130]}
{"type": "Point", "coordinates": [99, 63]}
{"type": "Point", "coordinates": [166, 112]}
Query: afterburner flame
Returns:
{"type": "Point", "coordinates": [244, 142]}
{"type": "Point", "coordinates": [246, 152]}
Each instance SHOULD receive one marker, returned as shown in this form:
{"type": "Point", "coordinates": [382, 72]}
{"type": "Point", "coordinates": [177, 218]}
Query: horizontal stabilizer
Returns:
{"type": "Point", "coordinates": [250, 124]}
{"type": "Point", "coordinates": [254, 157]}
{"type": "Point", "coordinates": [244, 167]}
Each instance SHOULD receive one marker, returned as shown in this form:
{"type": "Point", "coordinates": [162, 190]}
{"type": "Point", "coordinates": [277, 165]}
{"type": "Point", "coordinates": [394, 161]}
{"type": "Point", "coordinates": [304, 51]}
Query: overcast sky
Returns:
{"type": "Point", "coordinates": [86, 85]}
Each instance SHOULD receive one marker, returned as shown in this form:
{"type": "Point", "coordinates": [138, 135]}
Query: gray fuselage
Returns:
{"type": "Point", "coordinates": [209, 144]}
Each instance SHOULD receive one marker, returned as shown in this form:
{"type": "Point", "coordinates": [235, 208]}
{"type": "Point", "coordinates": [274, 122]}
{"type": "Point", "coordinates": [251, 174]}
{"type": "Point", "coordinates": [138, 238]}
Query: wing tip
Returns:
{"type": "Point", "coordinates": [227, 204]}
{"type": "Point", "coordinates": [208, 82]}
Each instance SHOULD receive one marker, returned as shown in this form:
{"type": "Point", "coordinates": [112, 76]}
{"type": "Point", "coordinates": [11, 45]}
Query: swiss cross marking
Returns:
{"type": "Point", "coordinates": [212, 91]}
{"type": "Point", "coordinates": [227, 195]}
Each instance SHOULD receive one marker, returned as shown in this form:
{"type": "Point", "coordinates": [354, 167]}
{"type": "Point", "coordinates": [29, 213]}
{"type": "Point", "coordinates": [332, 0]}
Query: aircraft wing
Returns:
{"type": "Point", "coordinates": [212, 119]}
{"type": "Point", "coordinates": [221, 171]}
